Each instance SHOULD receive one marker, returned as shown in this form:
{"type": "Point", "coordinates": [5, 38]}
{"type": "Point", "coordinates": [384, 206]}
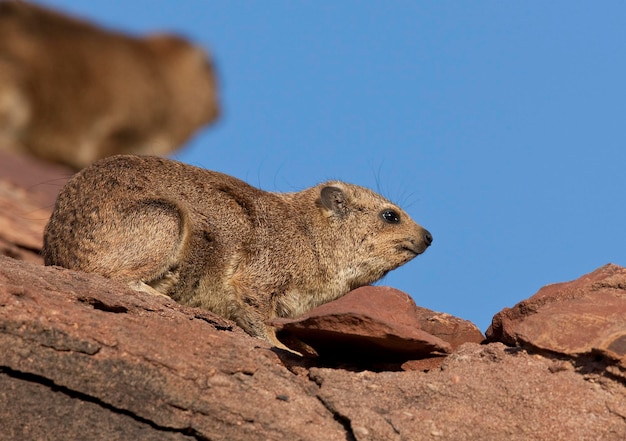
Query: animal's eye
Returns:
{"type": "Point", "coordinates": [390, 216]}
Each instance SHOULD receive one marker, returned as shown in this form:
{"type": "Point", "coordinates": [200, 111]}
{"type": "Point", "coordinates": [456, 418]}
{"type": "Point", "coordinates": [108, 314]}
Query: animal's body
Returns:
{"type": "Point", "coordinates": [210, 240]}
{"type": "Point", "coordinates": [72, 92]}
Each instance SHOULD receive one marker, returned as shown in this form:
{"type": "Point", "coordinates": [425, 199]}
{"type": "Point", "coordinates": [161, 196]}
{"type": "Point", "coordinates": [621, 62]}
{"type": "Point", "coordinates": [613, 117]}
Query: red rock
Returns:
{"type": "Point", "coordinates": [28, 189]}
{"type": "Point", "coordinates": [449, 328]}
{"type": "Point", "coordinates": [22, 221]}
{"type": "Point", "coordinates": [83, 357]}
{"type": "Point", "coordinates": [86, 343]}
{"type": "Point", "coordinates": [482, 392]}
{"type": "Point", "coordinates": [423, 364]}
{"type": "Point", "coordinates": [582, 317]}
{"type": "Point", "coordinates": [377, 320]}
{"type": "Point", "coordinates": [41, 180]}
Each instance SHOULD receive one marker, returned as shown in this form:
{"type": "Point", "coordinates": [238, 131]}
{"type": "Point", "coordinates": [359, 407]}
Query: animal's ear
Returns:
{"type": "Point", "coordinates": [334, 199]}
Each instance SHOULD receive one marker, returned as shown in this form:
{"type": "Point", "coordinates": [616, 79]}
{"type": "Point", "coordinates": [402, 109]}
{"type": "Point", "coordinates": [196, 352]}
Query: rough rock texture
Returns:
{"type": "Point", "coordinates": [480, 393]}
{"type": "Point", "coordinates": [579, 319]}
{"type": "Point", "coordinates": [82, 357]}
{"type": "Point", "coordinates": [20, 229]}
{"type": "Point", "coordinates": [154, 365]}
{"type": "Point", "coordinates": [379, 322]}
{"type": "Point", "coordinates": [449, 328]}
{"type": "Point", "coordinates": [80, 354]}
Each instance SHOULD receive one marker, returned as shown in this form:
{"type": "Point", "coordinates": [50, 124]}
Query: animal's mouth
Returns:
{"type": "Point", "coordinates": [412, 249]}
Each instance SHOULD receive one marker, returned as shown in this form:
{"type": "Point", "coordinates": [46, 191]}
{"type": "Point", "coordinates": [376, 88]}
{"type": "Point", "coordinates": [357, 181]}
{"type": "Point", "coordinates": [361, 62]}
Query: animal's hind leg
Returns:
{"type": "Point", "coordinates": [141, 243]}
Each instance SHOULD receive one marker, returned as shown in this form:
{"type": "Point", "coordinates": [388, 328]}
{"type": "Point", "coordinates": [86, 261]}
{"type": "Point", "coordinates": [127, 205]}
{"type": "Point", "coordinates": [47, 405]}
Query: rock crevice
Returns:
{"type": "Point", "coordinates": [107, 407]}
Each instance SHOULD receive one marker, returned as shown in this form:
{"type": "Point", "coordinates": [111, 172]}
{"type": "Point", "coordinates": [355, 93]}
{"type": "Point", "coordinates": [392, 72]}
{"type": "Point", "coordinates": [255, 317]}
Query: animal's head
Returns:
{"type": "Point", "coordinates": [370, 235]}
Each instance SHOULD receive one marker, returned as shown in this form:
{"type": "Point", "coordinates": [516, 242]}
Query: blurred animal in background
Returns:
{"type": "Point", "coordinates": [72, 93]}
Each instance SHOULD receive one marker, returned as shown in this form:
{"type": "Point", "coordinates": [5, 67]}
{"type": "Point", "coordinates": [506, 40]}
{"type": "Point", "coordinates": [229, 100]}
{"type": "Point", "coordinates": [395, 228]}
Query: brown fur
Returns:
{"type": "Point", "coordinates": [210, 240]}
{"type": "Point", "coordinates": [71, 92]}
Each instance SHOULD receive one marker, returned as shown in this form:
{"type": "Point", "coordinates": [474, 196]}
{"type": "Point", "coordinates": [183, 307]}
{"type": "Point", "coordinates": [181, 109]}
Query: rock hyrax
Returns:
{"type": "Point", "coordinates": [209, 240]}
{"type": "Point", "coordinates": [72, 92]}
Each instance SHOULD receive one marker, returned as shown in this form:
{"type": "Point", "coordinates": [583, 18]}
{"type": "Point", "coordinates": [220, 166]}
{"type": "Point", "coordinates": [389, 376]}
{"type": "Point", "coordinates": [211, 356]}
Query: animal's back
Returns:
{"type": "Point", "coordinates": [141, 208]}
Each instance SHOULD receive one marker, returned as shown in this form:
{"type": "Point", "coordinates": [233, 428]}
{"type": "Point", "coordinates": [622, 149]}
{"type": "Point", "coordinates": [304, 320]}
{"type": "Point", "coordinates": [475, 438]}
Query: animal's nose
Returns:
{"type": "Point", "coordinates": [428, 238]}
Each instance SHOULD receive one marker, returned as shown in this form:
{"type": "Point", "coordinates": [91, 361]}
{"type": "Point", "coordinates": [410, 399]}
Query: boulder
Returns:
{"type": "Point", "coordinates": [376, 322]}
{"type": "Point", "coordinates": [582, 318]}
{"type": "Point", "coordinates": [22, 221]}
{"type": "Point", "coordinates": [83, 342]}
{"type": "Point", "coordinates": [487, 392]}
{"type": "Point", "coordinates": [82, 357]}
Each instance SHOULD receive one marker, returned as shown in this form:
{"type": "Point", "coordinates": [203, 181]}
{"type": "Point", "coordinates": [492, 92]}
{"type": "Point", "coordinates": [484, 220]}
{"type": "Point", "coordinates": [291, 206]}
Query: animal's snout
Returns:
{"type": "Point", "coordinates": [427, 237]}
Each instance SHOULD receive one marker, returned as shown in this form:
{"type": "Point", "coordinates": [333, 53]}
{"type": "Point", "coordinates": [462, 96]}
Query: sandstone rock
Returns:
{"type": "Point", "coordinates": [86, 343]}
{"type": "Point", "coordinates": [379, 322]}
{"type": "Point", "coordinates": [82, 357]}
{"type": "Point", "coordinates": [580, 318]}
{"type": "Point", "coordinates": [453, 330]}
{"type": "Point", "coordinates": [480, 393]}
{"type": "Point", "coordinates": [41, 180]}
{"type": "Point", "coordinates": [22, 221]}
{"type": "Point", "coordinates": [28, 189]}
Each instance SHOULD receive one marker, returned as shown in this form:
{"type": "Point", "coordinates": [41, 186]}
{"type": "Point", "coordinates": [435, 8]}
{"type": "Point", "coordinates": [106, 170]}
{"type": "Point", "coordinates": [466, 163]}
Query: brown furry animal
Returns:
{"type": "Point", "coordinates": [210, 240]}
{"type": "Point", "coordinates": [71, 92]}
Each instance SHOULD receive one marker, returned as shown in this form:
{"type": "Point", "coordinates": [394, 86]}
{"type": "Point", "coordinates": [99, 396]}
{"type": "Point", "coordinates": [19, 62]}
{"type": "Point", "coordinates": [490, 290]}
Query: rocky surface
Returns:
{"type": "Point", "coordinates": [186, 373]}
{"type": "Point", "coordinates": [377, 322]}
{"type": "Point", "coordinates": [28, 189]}
{"type": "Point", "coordinates": [81, 353]}
{"type": "Point", "coordinates": [480, 393]}
{"type": "Point", "coordinates": [82, 357]}
{"type": "Point", "coordinates": [41, 180]}
{"type": "Point", "coordinates": [581, 319]}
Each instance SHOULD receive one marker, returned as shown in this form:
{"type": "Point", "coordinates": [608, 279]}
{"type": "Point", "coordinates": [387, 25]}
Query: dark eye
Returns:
{"type": "Point", "coordinates": [390, 216]}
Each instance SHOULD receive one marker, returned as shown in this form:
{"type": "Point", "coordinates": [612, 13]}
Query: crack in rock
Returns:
{"type": "Point", "coordinates": [215, 323]}
{"type": "Point", "coordinates": [47, 382]}
{"type": "Point", "coordinates": [340, 418]}
{"type": "Point", "coordinates": [102, 306]}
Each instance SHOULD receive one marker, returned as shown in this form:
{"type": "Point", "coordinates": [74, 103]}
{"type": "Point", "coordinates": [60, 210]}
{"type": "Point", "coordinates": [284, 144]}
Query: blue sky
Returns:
{"type": "Point", "coordinates": [499, 126]}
